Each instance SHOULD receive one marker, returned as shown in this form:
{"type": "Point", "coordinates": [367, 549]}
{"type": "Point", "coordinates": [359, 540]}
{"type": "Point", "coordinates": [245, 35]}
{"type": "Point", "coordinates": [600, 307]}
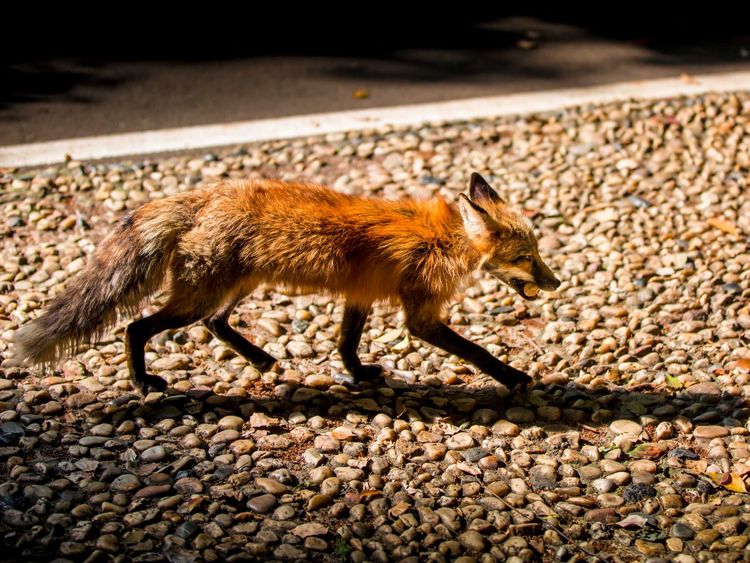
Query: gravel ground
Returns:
{"type": "Point", "coordinates": [633, 446]}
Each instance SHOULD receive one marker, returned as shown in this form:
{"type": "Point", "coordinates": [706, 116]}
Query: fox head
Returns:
{"type": "Point", "coordinates": [505, 239]}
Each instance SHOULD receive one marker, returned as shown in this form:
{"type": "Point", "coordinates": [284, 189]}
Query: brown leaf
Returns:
{"type": "Point", "coordinates": [466, 468]}
{"type": "Point", "coordinates": [193, 503]}
{"type": "Point", "coordinates": [723, 225]}
{"type": "Point", "coordinates": [688, 79]}
{"type": "Point", "coordinates": [730, 481]}
{"type": "Point", "coordinates": [389, 336]}
{"type": "Point", "coordinates": [744, 363]}
{"type": "Point", "coordinates": [244, 516]}
{"type": "Point", "coordinates": [651, 451]}
{"type": "Point", "coordinates": [696, 466]}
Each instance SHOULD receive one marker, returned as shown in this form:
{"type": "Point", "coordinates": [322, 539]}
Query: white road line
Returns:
{"type": "Point", "coordinates": [203, 136]}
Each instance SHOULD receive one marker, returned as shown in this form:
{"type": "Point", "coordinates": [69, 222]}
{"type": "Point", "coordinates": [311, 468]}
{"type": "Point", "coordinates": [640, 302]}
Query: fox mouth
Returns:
{"type": "Point", "coordinates": [525, 289]}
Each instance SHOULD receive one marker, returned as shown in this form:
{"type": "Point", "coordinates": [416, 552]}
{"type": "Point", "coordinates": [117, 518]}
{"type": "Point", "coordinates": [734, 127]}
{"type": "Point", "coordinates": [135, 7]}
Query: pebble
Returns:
{"type": "Point", "coordinates": [472, 541]}
{"type": "Point", "coordinates": [225, 436]}
{"type": "Point", "coordinates": [520, 415]}
{"type": "Point", "coordinates": [710, 432]}
{"type": "Point", "coordinates": [154, 454]}
{"type": "Point", "coordinates": [640, 358]}
{"type": "Point", "coordinates": [271, 486]}
{"type": "Point", "coordinates": [625, 427]}
{"type": "Point", "coordinates": [310, 529]}
{"type": "Point", "coordinates": [262, 504]}
{"type": "Point", "coordinates": [300, 349]}
{"type": "Point", "coordinates": [505, 428]}
{"type": "Point", "coordinates": [459, 441]}
{"type": "Point", "coordinates": [125, 483]}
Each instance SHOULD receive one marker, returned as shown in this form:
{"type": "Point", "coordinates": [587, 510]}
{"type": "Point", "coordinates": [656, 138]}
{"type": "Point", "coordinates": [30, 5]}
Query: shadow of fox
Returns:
{"type": "Point", "coordinates": [209, 248]}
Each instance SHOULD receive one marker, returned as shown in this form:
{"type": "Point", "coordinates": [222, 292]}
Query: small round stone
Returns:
{"type": "Point", "coordinates": [153, 454]}
{"type": "Point", "coordinates": [262, 504]}
{"type": "Point", "coordinates": [624, 426]}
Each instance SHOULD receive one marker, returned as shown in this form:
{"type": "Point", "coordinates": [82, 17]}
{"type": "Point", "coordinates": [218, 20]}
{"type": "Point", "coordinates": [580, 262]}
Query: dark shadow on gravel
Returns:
{"type": "Point", "coordinates": [554, 407]}
{"type": "Point", "coordinates": [563, 418]}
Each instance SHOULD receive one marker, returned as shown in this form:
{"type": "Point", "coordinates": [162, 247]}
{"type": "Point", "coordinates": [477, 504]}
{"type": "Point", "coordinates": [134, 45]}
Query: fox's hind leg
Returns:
{"type": "Point", "coordinates": [140, 331]}
{"type": "Point", "coordinates": [219, 325]}
{"type": "Point", "coordinates": [351, 332]}
{"type": "Point", "coordinates": [186, 305]}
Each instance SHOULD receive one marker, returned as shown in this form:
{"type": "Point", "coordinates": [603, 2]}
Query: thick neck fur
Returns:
{"type": "Point", "coordinates": [445, 255]}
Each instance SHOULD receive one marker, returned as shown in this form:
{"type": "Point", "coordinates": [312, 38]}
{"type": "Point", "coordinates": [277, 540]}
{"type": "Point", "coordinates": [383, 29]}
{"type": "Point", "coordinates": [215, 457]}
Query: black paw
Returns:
{"type": "Point", "coordinates": [147, 383]}
{"type": "Point", "coordinates": [514, 380]}
{"type": "Point", "coordinates": [264, 364]}
{"type": "Point", "coordinates": [366, 372]}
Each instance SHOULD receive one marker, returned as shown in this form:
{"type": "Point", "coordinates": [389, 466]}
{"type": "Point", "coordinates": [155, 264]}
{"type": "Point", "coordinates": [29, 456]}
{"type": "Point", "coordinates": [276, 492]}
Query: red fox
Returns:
{"type": "Point", "coordinates": [213, 246]}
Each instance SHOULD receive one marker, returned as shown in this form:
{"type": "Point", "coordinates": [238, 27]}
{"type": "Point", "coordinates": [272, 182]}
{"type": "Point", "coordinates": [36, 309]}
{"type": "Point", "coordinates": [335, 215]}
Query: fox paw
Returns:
{"type": "Point", "coordinates": [366, 372]}
{"type": "Point", "coordinates": [147, 383]}
{"type": "Point", "coordinates": [266, 364]}
{"type": "Point", "coordinates": [515, 380]}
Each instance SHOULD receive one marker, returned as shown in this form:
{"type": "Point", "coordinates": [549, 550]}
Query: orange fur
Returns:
{"type": "Point", "coordinates": [309, 238]}
{"type": "Point", "coordinates": [213, 246]}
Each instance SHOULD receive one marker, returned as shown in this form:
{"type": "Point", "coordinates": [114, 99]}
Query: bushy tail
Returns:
{"type": "Point", "coordinates": [127, 266]}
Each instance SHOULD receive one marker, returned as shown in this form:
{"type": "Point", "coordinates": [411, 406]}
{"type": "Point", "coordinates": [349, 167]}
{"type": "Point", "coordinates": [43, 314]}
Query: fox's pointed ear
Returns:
{"type": "Point", "coordinates": [476, 220]}
{"type": "Point", "coordinates": [481, 191]}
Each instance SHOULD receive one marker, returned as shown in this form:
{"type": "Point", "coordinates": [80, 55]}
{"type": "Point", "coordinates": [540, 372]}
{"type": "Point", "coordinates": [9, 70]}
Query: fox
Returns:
{"type": "Point", "coordinates": [209, 248]}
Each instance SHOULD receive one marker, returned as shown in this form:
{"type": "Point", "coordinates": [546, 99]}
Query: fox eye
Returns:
{"type": "Point", "coordinates": [524, 258]}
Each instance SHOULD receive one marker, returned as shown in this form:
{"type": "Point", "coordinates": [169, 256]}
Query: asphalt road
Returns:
{"type": "Point", "coordinates": [116, 78]}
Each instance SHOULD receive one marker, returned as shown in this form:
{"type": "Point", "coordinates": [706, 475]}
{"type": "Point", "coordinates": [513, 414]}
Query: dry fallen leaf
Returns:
{"type": "Point", "coordinates": [651, 451]}
{"type": "Point", "coordinates": [389, 336]}
{"type": "Point", "coordinates": [403, 345]}
{"type": "Point", "coordinates": [674, 382]}
{"type": "Point", "coordinates": [697, 466]}
{"type": "Point", "coordinates": [193, 503]}
{"type": "Point", "coordinates": [730, 481]}
{"type": "Point", "coordinates": [466, 468]}
{"type": "Point", "coordinates": [744, 363]}
{"type": "Point", "coordinates": [723, 225]}
{"type": "Point", "coordinates": [688, 79]}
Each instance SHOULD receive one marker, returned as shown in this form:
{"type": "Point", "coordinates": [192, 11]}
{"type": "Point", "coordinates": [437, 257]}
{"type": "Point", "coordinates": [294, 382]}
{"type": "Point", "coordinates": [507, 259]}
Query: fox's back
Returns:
{"type": "Point", "coordinates": [310, 237]}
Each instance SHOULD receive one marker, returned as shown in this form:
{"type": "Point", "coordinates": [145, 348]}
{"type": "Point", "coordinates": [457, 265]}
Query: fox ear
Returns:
{"type": "Point", "coordinates": [476, 220]}
{"type": "Point", "coordinates": [481, 191]}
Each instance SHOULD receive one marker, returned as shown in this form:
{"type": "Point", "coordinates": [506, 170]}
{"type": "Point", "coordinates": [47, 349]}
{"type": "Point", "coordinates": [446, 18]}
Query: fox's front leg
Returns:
{"type": "Point", "coordinates": [351, 332]}
{"type": "Point", "coordinates": [430, 329]}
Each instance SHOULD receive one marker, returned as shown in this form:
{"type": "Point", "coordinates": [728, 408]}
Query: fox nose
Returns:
{"type": "Point", "coordinates": [546, 278]}
{"type": "Point", "coordinates": [548, 281]}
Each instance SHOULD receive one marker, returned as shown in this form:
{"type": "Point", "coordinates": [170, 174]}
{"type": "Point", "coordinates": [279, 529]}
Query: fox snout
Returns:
{"type": "Point", "coordinates": [527, 279]}
{"type": "Point", "coordinates": [538, 277]}
{"type": "Point", "coordinates": [543, 276]}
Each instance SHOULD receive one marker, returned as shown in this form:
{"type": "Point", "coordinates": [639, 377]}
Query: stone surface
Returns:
{"type": "Point", "coordinates": [636, 424]}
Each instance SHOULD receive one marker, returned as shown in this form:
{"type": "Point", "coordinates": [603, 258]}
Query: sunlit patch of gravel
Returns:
{"type": "Point", "coordinates": [633, 445]}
